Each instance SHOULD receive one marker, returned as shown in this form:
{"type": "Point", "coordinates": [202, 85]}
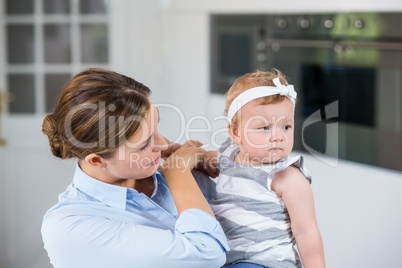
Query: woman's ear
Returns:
{"type": "Point", "coordinates": [95, 160]}
{"type": "Point", "coordinates": [234, 133]}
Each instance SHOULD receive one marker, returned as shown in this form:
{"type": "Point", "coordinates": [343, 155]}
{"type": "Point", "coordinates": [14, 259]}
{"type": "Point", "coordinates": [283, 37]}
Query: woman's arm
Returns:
{"type": "Point", "coordinates": [177, 172]}
{"type": "Point", "coordinates": [297, 195]}
{"type": "Point", "coordinates": [79, 236]}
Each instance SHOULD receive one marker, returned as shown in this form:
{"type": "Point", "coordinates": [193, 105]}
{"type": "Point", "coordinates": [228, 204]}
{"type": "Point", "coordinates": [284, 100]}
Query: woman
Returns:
{"type": "Point", "coordinates": [120, 211]}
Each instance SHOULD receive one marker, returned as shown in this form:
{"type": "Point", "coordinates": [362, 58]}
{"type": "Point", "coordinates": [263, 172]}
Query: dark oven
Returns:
{"type": "Point", "coordinates": [346, 68]}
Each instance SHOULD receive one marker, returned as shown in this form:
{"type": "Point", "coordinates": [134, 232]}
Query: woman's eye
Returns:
{"type": "Point", "coordinates": [145, 147]}
{"type": "Point", "coordinates": [265, 128]}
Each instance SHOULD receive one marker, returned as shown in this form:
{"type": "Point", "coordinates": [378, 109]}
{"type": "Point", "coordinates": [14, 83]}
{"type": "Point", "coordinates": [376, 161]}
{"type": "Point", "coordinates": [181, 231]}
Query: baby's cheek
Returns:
{"type": "Point", "coordinates": [258, 140]}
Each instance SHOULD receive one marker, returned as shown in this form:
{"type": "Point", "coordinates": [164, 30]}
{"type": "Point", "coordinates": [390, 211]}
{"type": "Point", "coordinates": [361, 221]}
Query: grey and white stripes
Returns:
{"type": "Point", "coordinates": [253, 216]}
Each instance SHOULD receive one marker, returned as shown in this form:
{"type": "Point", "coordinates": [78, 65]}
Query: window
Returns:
{"type": "Point", "coordinates": [47, 42]}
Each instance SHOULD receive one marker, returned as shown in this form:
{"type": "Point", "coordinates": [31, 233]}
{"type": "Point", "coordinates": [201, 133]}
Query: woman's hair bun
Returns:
{"type": "Point", "coordinates": [56, 141]}
{"type": "Point", "coordinates": [81, 124]}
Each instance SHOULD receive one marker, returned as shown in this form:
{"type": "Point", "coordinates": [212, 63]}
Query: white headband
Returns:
{"type": "Point", "coordinates": [259, 92]}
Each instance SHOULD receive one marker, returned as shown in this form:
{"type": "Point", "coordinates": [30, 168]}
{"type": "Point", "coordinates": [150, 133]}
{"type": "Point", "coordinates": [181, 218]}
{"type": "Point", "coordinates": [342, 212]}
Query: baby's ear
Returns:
{"type": "Point", "coordinates": [234, 133]}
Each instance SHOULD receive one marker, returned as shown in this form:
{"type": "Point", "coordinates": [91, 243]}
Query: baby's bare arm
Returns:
{"type": "Point", "coordinates": [297, 195]}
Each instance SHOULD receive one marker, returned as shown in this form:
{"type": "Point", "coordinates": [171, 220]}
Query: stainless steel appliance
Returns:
{"type": "Point", "coordinates": [351, 62]}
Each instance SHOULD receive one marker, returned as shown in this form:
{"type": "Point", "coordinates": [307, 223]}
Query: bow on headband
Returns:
{"type": "Point", "coordinates": [259, 92]}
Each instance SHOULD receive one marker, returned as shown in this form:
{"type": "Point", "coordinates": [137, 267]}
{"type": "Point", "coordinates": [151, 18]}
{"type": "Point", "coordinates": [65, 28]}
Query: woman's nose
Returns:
{"type": "Point", "coordinates": [160, 143]}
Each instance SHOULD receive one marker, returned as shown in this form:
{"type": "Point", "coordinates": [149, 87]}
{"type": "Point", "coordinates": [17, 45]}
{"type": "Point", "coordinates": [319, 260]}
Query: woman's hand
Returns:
{"type": "Point", "coordinates": [208, 164]}
{"type": "Point", "coordinates": [186, 157]}
{"type": "Point", "coordinates": [172, 147]}
{"type": "Point", "coordinates": [177, 172]}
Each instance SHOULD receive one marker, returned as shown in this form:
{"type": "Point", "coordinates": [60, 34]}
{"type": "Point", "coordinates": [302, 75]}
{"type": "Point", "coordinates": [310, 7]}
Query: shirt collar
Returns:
{"type": "Point", "coordinates": [109, 194]}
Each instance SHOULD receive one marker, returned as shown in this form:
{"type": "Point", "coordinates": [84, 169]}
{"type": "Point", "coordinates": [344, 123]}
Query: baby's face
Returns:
{"type": "Point", "coordinates": [265, 132]}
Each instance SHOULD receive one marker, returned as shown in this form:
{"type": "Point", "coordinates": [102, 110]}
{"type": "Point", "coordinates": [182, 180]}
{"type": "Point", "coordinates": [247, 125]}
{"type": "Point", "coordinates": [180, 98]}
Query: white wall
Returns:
{"type": "Point", "coordinates": [359, 213]}
{"type": "Point", "coordinates": [31, 179]}
{"type": "Point", "coordinates": [358, 207]}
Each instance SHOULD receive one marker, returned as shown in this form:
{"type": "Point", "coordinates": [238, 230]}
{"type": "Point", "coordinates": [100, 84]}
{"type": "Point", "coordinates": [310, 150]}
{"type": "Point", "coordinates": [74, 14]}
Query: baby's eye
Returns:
{"type": "Point", "coordinates": [286, 127]}
{"type": "Point", "coordinates": [264, 128]}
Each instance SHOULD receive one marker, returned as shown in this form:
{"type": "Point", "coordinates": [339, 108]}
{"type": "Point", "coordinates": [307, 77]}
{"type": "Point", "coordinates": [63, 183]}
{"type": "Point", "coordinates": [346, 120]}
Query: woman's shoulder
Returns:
{"type": "Point", "coordinates": [72, 205]}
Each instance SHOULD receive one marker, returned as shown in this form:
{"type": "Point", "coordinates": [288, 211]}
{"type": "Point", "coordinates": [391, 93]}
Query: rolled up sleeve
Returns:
{"type": "Point", "coordinates": [193, 222]}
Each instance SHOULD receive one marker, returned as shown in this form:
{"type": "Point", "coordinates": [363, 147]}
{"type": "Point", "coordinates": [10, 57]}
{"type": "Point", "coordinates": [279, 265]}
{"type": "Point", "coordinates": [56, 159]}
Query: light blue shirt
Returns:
{"type": "Point", "coordinates": [96, 224]}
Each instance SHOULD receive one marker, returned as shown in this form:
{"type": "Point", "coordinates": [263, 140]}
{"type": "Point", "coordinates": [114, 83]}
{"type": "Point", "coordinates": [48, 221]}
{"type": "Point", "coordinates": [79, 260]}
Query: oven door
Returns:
{"type": "Point", "coordinates": [237, 47]}
{"type": "Point", "coordinates": [359, 83]}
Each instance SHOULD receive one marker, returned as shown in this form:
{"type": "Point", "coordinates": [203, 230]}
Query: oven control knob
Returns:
{"type": "Point", "coordinates": [359, 24]}
{"type": "Point", "coordinates": [261, 57]}
{"type": "Point", "coordinates": [329, 24]}
{"type": "Point", "coordinates": [304, 23]}
{"type": "Point", "coordinates": [338, 48]}
{"type": "Point", "coordinates": [275, 47]}
{"type": "Point", "coordinates": [261, 46]}
{"type": "Point", "coordinates": [282, 23]}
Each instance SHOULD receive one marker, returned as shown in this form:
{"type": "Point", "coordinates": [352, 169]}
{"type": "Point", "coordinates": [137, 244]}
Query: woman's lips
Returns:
{"type": "Point", "coordinates": [156, 162]}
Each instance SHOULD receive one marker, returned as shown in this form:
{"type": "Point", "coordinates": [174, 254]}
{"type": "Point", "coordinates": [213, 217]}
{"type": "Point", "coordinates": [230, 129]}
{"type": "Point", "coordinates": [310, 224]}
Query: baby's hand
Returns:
{"type": "Point", "coordinates": [209, 164]}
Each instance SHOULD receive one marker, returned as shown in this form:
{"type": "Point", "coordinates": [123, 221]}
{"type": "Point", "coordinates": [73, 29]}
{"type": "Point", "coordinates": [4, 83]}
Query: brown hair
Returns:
{"type": "Point", "coordinates": [251, 80]}
{"type": "Point", "coordinates": [88, 112]}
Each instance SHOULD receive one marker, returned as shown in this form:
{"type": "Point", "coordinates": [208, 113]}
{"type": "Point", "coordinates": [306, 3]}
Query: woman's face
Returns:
{"type": "Point", "coordinates": [140, 155]}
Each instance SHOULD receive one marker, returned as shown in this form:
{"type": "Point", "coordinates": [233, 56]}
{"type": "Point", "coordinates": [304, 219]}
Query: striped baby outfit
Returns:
{"type": "Point", "coordinates": [253, 216]}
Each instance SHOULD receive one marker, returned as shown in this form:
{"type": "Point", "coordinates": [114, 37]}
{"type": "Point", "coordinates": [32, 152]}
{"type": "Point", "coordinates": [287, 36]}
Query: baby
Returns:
{"type": "Point", "coordinates": [264, 200]}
